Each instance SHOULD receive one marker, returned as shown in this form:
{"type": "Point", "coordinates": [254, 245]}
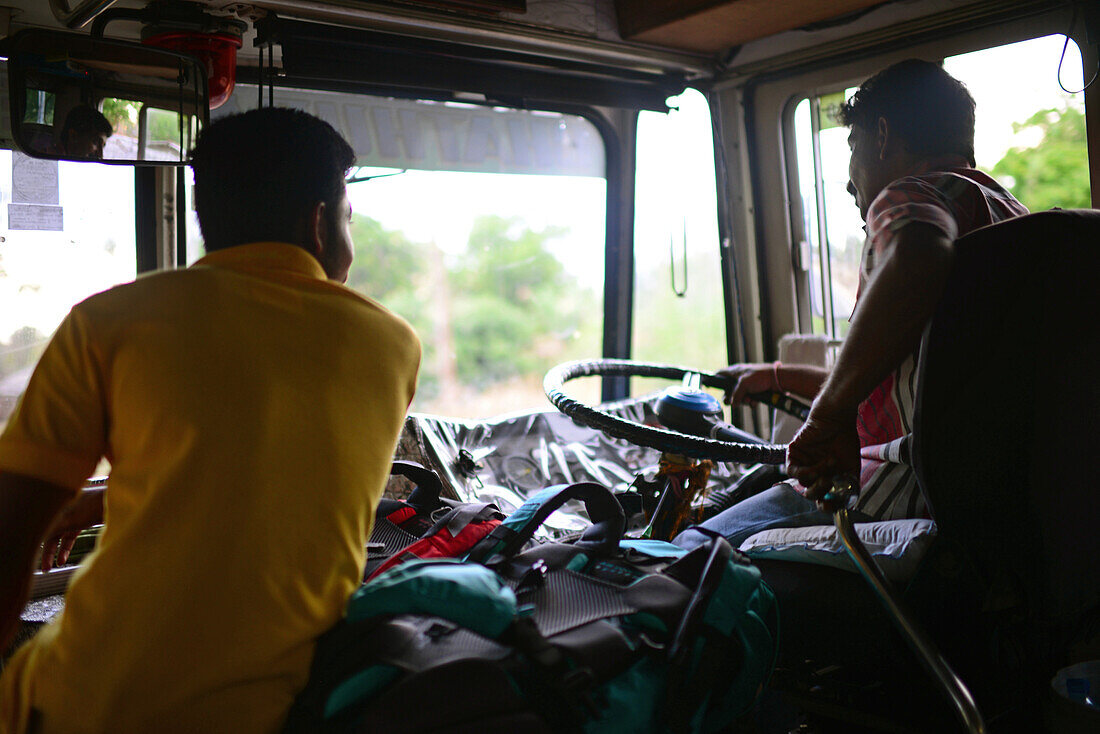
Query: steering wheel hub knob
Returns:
{"type": "Point", "coordinates": [688, 410]}
{"type": "Point", "coordinates": [695, 401]}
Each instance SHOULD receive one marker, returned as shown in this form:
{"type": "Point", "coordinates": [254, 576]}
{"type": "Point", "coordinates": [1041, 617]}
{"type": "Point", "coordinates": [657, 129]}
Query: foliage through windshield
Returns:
{"type": "Point", "coordinates": [492, 317]}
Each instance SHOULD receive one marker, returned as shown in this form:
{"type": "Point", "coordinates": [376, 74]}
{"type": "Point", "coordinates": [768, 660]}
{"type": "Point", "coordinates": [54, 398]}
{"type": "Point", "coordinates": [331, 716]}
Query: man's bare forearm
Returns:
{"type": "Point", "coordinates": [15, 583]}
{"type": "Point", "coordinates": [27, 506]}
{"type": "Point", "coordinates": [804, 380]}
{"type": "Point", "coordinates": [891, 314]}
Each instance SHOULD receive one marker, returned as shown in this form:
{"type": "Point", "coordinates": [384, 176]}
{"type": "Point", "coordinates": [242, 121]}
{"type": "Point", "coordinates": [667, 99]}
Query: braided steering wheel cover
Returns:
{"type": "Point", "coordinates": [657, 438]}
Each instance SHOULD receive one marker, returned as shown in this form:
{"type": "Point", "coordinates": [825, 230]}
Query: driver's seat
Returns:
{"type": "Point", "coordinates": [1006, 441]}
{"type": "Point", "coordinates": [1004, 447]}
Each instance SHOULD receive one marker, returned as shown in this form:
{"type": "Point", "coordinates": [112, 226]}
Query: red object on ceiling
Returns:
{"type": "Point", "coordinates": [217, 51]}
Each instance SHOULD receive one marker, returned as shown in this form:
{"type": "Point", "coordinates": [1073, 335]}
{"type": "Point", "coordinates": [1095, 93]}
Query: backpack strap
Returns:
{"type": "Point", "coordinates": [601, 539]}
{"type": "Point", "coordinates": [687, 687]}
{"type": "Point", "coordinates": [426, 496]}
{"type": "Point", "coordinates": [460, 529]}
{"type": "Point", "coordinates": [457, 519]}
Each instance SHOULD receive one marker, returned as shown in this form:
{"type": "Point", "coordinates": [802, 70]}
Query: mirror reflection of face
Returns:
{"type": "Point", "coordinates": [87, 144]}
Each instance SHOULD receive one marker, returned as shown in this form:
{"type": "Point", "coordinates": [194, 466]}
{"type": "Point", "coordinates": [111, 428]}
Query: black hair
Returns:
{"type": "Point", "coordinates": [928, 108]}
{"type": "Point", "coordinates": [86, 119]}
{"type": "Point", "coordinates": [260, 173]}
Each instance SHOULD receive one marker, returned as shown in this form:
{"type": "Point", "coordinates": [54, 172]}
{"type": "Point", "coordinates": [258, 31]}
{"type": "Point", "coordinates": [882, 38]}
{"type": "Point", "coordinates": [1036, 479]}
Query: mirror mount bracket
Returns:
{"type": "Point", "coordinates": [79, 16]}
{"type": "Point", "coordinates": [161, 16]}
{"type": "Point", "coordinates": [101, 20]}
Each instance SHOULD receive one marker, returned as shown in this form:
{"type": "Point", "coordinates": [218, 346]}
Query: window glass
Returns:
{"type": "Point", "coordinates": [832, 223]}
{"type": "Point", "coordinates": [142, 132]}
{"type": "Point", "coordinates": [481, 226]}
{"type": "Point", "coordinates": [68, 232]}
{"type": "Point", "coordinates": [1030, 126]}
{"type": "Point", "coordinates": [193, 243]}
{"type": "Point", "coordinates": [679, 317]}
{"type": "Point", "coordinates": [501, 275]}
{"type": "Point", "coordinates": [1029, 135]}
{"type": "Point", "coordinates": [164, 130]}
{"type": "Point", "coordinates": [39, 107]}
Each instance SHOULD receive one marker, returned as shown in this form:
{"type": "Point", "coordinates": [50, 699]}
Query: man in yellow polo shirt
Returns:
{"type": "Point", "coordinates": [249, 406]}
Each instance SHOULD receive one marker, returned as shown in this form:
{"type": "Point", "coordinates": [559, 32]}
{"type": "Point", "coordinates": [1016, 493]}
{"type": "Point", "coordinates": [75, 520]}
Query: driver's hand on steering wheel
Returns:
{"type": "Point", "coordinates": [84, 511]}
{"type": "Point", "coordinates": [748, 379]}
{"type": "Point", "coordinates": [825, 447]}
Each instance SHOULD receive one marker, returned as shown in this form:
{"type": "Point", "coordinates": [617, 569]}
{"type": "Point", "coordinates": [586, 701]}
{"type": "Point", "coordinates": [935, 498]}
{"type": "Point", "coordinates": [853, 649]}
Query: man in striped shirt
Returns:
{"type": "Point", "coordinates": [913, 178]}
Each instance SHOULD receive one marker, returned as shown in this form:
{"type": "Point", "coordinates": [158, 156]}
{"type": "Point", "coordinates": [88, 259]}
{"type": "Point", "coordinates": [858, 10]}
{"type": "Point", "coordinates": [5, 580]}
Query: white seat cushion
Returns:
{"type": "Point", "coordinates": [896, 545]}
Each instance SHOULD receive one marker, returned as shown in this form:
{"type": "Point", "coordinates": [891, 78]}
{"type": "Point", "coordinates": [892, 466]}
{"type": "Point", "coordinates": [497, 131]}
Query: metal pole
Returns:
{"type": "Point", "coordinates": [917, 638]}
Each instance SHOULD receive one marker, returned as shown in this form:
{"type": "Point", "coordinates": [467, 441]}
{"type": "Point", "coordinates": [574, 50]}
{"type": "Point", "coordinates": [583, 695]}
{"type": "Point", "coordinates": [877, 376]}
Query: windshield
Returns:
{"type": "Point", "coordinates": [481, 226]}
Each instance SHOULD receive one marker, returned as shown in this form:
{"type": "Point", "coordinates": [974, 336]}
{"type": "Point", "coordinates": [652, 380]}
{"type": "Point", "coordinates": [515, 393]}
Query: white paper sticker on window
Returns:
{"type": "Point", "coordinates": [33, 181]}
{"type": "Point", "coordinates": [35, 216]}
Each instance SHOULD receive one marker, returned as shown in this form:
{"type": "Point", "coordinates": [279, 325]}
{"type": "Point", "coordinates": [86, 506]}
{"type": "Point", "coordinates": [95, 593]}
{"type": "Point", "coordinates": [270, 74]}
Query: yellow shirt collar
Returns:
{"type": "Point", "coordinates": [262, 258]}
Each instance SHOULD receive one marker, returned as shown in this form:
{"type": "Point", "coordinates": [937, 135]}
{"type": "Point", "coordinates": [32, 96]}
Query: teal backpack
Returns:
{"type": "Point", "coordinates": [599, 635]}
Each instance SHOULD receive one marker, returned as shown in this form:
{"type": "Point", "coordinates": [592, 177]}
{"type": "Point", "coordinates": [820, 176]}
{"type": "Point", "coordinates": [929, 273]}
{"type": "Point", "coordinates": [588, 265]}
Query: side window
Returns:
{"type": "Point", "coordinates": [66, 232]}
{"type": "Point", "coordinates": [679, 317]}
{"type": "Point", "coordinates": [500, 274]}
{"type": "Point", "coordinates": [1029, 135]}
{"type": "Point", "coordinates": [831, 226]}
{"type": "Point", "coordinates": [1030, 127]}
{"type": "Point", "coordinates": [193, 248]}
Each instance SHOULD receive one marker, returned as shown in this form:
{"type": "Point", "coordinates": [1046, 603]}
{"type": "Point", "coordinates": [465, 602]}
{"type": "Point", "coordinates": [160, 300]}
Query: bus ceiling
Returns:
{"type": "Point", "coordinates": [693, 40]}
{"type": "Point", "coordinates": [699, 27]}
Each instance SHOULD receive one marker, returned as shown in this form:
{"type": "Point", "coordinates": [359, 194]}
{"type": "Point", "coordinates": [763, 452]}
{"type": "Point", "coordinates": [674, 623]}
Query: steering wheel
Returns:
{"type": "Point", "coordinates": [662, 439]}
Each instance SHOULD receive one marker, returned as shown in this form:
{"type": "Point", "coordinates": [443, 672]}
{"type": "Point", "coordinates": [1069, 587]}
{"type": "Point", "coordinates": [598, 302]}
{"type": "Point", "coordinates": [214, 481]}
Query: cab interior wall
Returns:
{"type": "Point", "coordinates": [768, 101]}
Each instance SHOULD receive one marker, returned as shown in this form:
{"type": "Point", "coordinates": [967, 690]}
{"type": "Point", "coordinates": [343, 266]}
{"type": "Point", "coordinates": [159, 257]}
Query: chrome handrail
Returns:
{"type": "Point", "coordinates": [77, 17]}
{"type": "Point", "coordinates": [918, 639]}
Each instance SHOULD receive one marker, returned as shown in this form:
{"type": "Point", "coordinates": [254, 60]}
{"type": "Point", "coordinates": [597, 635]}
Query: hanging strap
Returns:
{"type": "Point", "coordinates": [688, 688]}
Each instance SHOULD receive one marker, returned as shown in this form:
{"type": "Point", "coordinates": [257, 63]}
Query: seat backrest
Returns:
{"type": "Point", "coordinates": [1006, 439]}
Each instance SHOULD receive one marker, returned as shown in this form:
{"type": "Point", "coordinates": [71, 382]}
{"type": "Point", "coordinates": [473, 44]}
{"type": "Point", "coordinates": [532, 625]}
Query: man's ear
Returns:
{"type": "Point", "coordinates": [882, 138]}
{"type": "Point", "coordinates": [317, 230]}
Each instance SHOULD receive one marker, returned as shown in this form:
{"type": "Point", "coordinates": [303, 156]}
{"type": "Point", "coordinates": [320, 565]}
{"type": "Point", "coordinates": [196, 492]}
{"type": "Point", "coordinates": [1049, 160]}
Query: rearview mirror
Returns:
{"type": "Point", "coordinates": [79, 98]}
